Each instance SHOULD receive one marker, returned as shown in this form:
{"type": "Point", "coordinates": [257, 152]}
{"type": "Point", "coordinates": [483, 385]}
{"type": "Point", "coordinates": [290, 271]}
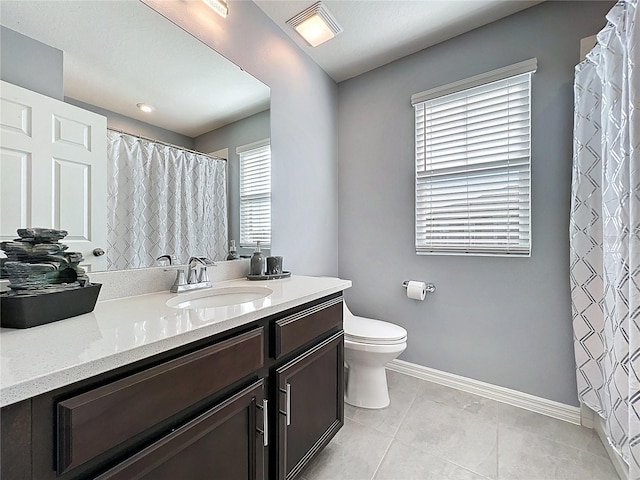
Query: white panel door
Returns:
{"type": "Point", "coordinates": [53, 170]}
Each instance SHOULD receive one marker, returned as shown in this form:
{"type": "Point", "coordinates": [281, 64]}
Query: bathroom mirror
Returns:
{"type": "Point", "coordinates": [117, 54]}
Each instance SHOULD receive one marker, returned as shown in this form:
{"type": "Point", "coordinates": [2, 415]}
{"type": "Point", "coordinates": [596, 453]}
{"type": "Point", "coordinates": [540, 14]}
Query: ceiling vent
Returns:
{"type": "Point", "coordinates": [315, 24]}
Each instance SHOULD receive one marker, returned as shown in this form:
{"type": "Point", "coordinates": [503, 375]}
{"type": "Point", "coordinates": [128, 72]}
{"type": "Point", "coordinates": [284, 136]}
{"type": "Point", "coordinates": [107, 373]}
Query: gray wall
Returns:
{"type": "Point", "coordinates": [505, 321]}
{"type": "Point", "coordinates": [303, 127]}
{"type": "Point", "coordinates": [37, 66]}
{"type": "Point", "coordinates": [130, 125]}
{"type": "Point", "coordinates": [30, 64]}
{"type": "Point", "coordinates": [236, 134]}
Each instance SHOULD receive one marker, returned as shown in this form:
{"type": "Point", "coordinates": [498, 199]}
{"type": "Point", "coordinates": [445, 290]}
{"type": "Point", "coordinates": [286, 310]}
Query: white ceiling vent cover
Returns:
{"type": "Point", "coordinates": [319, 10]}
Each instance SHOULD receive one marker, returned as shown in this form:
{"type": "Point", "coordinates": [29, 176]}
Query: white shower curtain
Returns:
{"type": "Point", "coordinates": [163, 200]}
{"type": "Point", "coordinates": [605, 231]}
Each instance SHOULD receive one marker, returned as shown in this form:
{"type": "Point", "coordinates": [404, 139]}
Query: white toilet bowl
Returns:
{"type": "Point", "coordinates": [368, 346]}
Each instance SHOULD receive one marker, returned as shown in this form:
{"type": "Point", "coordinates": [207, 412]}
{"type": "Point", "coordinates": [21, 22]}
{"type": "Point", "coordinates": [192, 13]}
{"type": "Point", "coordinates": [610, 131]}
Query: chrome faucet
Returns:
{"type": "Point", "coordinates": [196, 276]}
{"type": "Point", "coordinates": [197, 270]}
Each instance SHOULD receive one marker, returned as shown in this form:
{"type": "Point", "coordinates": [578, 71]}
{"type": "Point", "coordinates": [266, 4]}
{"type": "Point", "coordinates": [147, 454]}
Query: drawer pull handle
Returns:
{"type": "Point", "coordinates": [287, 413]}
{"type": "Point", "coordinates": [265, 422]}
{"type": "Point", "coordinates": [288, 404]}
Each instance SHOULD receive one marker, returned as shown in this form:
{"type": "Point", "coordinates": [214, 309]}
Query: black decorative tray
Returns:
{"type": "Point", "coordinates": [33, 310]}
{"type": "Point", "coordinates": [269, 277]}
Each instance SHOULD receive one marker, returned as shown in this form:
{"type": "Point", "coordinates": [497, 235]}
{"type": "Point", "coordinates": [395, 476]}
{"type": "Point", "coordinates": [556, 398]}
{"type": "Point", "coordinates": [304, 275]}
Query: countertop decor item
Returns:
{"type": "Point", "coordinates": [46, 283]}
{"type": "Point", "coordinates": [31, 310]}
{"type": "Point", "coordinates": [274, 265]}
{"type": "Point", "coordinates": [257, 261]}
{"type": "Point", "coordinates": [269, 277]}
{"type": "Point", "coordinates": [233, 252]}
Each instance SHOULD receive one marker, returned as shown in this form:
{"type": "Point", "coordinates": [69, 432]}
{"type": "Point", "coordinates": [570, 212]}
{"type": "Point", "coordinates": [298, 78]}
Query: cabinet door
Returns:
{"type": "Point", "coordinates": [15, 432]}
{"type": "Point", "coordinates": [225, 442]}
{"type": "Point", "coordinates": [310, 404]}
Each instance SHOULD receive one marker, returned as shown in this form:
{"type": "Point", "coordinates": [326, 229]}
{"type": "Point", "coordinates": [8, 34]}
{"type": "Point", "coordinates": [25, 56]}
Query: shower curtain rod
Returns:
{"type": "Point", "coordinates": [141, 137]}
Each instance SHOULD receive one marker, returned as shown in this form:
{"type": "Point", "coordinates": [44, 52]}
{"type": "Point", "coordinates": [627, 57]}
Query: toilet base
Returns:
{"type": "Point", "coordinates": [366, 387]}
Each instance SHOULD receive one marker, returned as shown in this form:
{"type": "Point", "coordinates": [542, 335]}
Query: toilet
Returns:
{"type": "Point", "coordinates": [368, 346]}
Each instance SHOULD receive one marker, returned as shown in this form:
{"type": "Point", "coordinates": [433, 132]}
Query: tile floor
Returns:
{"type": "Point", "coordinates": [431, 432]}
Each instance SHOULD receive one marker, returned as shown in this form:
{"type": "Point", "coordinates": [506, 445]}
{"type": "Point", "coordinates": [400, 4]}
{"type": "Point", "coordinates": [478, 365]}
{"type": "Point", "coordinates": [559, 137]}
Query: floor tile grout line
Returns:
{"type": "Point", "coordinates": [393, 436]}
{"type": "Point", "coordinates": [468, 469]}
{"type": "Point", "coordinates": [413, 400]}
{"type": "Point", "coordinates": [361, 424]}
{"type": "Point", "coordinates": [375, 472]}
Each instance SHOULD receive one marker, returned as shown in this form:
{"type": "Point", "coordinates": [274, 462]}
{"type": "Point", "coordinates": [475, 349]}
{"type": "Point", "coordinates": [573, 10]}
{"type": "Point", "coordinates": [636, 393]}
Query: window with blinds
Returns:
{"type": "Point", "coordinates": [473, 164]}
{"type": "Point", "coordinates": [255, 194]}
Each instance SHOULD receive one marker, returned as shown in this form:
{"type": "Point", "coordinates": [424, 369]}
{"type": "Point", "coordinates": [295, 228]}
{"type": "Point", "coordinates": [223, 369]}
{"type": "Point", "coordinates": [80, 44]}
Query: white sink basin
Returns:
{"type": "Point", "coordinates": [218, 297]}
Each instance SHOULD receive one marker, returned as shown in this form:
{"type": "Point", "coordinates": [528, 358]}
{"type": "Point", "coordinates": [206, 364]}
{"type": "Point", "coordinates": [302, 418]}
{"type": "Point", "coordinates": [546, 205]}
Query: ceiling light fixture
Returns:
{"type": "Point", "coordinates": [315, 24]}
{"type": "Point", "coordinates": [218, 6]}
{"type": "Point", "coordinates": [145, 107]}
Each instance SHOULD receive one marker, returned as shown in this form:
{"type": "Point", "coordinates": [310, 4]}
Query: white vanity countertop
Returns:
{"type": "Point", "coordinates": [121, 331]}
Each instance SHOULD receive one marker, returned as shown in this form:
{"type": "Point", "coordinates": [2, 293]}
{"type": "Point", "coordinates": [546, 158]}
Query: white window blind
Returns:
{"type": "Point", "coordinates": [473, 151]}
{"type": "Point", "coordinates": [255, 194]}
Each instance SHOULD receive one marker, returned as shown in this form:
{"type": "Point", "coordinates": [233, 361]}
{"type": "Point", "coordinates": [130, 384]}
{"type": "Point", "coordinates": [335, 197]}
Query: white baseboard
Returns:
{"type": "Point", "coordinates": [588, 416]}
{"type": "Point", "coordinates": [529, 402]}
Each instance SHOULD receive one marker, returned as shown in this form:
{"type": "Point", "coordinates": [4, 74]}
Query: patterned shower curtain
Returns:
{"type": "Point", "coordinates": [163, 200]}
{"type": "Point", "coordinates": [605, 231]}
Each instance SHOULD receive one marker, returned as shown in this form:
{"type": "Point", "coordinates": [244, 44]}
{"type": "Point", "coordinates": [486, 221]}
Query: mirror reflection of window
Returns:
{"type": "Point", "coordinates": [255, 194]}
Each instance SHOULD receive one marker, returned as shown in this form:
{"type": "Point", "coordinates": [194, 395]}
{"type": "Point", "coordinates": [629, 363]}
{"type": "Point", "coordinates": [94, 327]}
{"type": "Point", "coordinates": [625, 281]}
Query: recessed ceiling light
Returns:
{"type": "Point", "coordinates": [218, 6]}
{"type": "Point", "coordinates": [315, 24]}
{"type": "Point", "coordinates": [145, 107]}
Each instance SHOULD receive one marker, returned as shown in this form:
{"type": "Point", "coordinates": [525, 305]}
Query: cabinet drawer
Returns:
{"type": "Point", "coordinates": [224, 442]}
{"type": "Point", "coordinates": [300, 328]}
{"type": "Point", "coordinates": [94, 422]}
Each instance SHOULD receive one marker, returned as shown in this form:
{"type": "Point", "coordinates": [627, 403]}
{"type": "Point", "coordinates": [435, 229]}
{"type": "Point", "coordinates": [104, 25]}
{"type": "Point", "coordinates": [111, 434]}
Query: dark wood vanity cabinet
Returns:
{"type": "Point", "coordinates": [256, 403]}
{"type": "Point", "coordinates": [310, 404]}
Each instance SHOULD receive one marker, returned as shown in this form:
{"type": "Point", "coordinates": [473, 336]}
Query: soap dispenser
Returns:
{"type": "Point", "coordinates": [233, 253]}
{"type": "Point", "coordinates": [257, 261]}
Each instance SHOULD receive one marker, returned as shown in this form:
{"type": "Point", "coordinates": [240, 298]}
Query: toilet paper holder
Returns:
{"type": "Point", "coordinates": [430, 287]}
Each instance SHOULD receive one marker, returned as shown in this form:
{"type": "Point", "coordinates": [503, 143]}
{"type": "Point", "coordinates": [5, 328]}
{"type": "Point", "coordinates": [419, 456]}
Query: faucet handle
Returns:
{"type": "Point", "coordinates": [179, 281]}
{"type": "Point", "coordinates": [193, 275]}
{"type": "Point", "coordinates": [204, 275]}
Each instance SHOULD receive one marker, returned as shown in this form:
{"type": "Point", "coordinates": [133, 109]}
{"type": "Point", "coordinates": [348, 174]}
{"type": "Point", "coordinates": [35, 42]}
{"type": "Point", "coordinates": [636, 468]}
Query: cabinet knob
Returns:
{"type": "Point", "coordinates": [98, 252]}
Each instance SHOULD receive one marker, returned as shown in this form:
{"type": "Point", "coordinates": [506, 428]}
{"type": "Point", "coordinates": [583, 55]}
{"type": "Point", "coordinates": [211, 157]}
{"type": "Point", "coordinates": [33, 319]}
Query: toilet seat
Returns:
{"type": "Point", "coordinates": [373, 332]}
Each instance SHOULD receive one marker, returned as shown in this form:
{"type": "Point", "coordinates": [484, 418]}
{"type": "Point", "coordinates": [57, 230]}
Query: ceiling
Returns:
{"type": "Point", "coordinates": [120, 53]}
{"type": "Point", "coordinates": [377, 32]}
{"type": "Point", "coordinates": [116, 53]}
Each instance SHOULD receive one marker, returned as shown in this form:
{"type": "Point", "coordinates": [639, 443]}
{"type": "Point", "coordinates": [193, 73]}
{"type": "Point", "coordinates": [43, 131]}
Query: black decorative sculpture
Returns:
{"type": "Point", "coordinates": [46, 282]}
{"type": "Point", "coordinates": [37, 262]}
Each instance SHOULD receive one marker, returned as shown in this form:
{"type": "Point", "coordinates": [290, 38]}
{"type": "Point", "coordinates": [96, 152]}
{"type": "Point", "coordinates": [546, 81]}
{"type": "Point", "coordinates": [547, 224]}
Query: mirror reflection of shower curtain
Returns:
{"type": "Point", "coordinates": [605, 231]}
{"type": "Point", "coordinates": [163, 200]}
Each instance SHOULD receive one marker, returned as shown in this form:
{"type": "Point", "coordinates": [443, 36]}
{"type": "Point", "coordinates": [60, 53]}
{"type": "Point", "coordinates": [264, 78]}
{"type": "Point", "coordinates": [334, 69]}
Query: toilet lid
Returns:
{"type": "Point", "coordinates": [367, 330]}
